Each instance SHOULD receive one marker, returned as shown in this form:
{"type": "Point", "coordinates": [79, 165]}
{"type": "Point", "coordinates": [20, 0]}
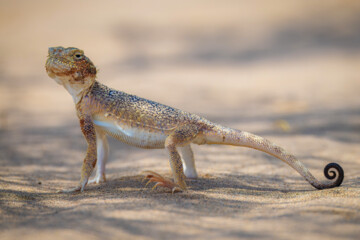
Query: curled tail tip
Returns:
{"type": "Point", "coordinates": [331, 174]}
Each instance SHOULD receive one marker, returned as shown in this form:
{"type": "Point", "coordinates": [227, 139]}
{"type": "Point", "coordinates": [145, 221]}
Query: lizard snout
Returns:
{"type": "Point", "coordinates": [55, 50]}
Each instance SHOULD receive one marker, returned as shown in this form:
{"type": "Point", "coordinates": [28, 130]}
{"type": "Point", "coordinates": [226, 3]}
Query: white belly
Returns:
{"type": "Point", "coordinates": [132, 135]}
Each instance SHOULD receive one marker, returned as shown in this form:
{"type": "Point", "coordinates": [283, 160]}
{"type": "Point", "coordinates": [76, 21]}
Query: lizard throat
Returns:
{"type": "Point", "coordinates": [77, 89]}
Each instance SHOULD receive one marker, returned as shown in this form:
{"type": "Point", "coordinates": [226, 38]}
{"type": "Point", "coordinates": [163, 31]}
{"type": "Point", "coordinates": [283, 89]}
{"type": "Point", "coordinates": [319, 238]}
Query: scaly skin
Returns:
{"type": "Point", "coordinates": [143, 123]}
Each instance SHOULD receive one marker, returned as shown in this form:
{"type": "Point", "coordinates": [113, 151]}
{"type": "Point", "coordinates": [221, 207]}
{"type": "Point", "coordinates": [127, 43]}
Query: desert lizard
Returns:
{"type": "Point", "coordinates": [144, 123]}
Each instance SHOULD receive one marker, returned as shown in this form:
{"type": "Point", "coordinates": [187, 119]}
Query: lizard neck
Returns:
{"type": "Point", "coordinates": [79, 88]}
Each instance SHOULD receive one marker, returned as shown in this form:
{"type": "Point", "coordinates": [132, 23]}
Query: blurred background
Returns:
{"type": "Point", "coordinates": [243, 58]}
{"type": "Point", "coordinates": [286, 70]}
{"type": "Point", "coordinates": [270, 67]}
{"type": "Point", "coordinates": [279, 69]}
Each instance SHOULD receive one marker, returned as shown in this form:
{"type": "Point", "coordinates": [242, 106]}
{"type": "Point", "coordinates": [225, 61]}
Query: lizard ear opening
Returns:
{"type": "Point", "coordinates": [89, 69]}
{"type": "Point", "coordinates": [93, 70]}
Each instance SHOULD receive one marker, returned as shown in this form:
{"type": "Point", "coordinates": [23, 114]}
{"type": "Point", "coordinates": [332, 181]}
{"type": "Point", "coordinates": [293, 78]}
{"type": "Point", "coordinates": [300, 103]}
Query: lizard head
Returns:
{"type": "Point", "coordinates": [72, 69]}
{"type": "Point", "coordinates": [70, 66]}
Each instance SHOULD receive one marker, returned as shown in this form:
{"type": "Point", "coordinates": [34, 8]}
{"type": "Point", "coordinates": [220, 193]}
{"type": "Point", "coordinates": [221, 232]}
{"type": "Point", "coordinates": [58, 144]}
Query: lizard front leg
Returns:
{"type": "Point", "coordinates": [88, 130]}
{"type": "Point", "coordinates": [102, 156]}
{"type": "Point", "coordinates": [181, 137]}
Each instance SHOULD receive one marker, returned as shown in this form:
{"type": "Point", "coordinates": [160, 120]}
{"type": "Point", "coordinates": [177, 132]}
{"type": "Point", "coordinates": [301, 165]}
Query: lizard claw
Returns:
{"type": "Point", "coordinates": [161, 181]}
{"type": "Point", "coordinates": [79, 188]}
{"type": "Point", "coordinates": [98, 179]}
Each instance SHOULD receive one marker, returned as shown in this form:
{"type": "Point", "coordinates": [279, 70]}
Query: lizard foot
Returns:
{"type": "Point", "coordinates": [79, 188]}
{"type": "Point", "coordinates": [98, 179]}
{"type": "Point", "coordinates": [161, 181]}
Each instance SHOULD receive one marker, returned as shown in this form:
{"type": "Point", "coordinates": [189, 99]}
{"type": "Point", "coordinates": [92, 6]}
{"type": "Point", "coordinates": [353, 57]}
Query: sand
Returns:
{"type": "Point", "coordinates": [285, 71]}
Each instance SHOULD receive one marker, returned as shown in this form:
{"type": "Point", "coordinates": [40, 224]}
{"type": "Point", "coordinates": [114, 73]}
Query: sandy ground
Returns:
{"type": "Point", "coordinates": [288, 71]}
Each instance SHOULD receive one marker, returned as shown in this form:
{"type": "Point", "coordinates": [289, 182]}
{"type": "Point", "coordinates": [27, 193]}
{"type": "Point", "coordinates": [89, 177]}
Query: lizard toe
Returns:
{"type": "Point", "coordinates": [161, 181]}
{"type": "Point", "coordinates": [97, 179]}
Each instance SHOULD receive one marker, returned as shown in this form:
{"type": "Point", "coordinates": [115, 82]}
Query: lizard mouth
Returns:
{"type": "Point", "coordinates": [56, 66]}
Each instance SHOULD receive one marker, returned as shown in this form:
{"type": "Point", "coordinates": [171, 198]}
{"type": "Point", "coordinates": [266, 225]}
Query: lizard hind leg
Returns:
{"type": "Point", "coordinates": [188, 160]}
{"type": "Point", "coordinates": [180, 137]}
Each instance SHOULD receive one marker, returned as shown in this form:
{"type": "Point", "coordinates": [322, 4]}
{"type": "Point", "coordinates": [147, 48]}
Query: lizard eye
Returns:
{"type": "Point", "coordinates": [78, 56]}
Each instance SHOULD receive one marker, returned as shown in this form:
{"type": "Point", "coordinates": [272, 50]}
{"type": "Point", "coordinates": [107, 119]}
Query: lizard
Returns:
{"type": "Point", "coordinates": [103, 111]}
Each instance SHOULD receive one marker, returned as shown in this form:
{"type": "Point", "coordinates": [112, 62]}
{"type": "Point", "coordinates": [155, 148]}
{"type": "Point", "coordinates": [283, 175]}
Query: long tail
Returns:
{"type": "Point", "coordinates": [228, 136]}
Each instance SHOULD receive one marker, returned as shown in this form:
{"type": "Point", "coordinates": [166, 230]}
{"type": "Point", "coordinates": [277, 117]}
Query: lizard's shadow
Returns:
{"type": "Point", "coordinates": [236, 184]}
